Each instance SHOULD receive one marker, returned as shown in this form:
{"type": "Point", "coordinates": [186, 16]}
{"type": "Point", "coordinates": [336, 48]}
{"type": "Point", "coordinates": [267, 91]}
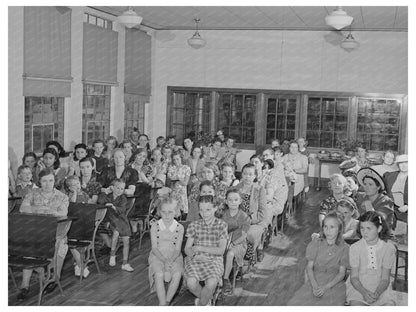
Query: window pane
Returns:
{"type": "Point", "coordinates": [270, 135]}
{"type": "Point", "coordinates": [271, 121]}
{"type": "Point", "coordinates": [291, 108]}
{"type": "Point", "coordinates": [291, 122]}
{"type": "Point", "coordinates": [271, 105]}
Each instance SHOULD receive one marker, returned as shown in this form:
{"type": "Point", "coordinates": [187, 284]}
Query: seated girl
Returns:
{"type": "Point", "coordinates": [116, 202]}
{"type": "Point", "coordinates": [238, 224]}
{"type": "Point", "coordinates": [80, 152]}
{"type": "Point", "coordinates": [165, 258]}
{"type": "Point", "coordinates": [205, 247]}
{"type": "Point", "coordinates": [371, 260]}
{"type": "Point", "coordinates": [72, 188]}
{"type": "Point", "coordinates": [325, 271]}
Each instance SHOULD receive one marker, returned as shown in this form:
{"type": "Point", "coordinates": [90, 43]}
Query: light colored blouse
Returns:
{"type": "Point", "coordinates": [35, 202]}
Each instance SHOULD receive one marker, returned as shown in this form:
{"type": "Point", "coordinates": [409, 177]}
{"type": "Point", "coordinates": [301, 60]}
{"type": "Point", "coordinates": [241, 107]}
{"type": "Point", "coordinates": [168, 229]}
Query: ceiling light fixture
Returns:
{"type": "Point", "coordinates": [196, 41]}
{"type": "Point", "coordinates": [338, 19]}
{"type": "Point", "coordinates": [349, 43]}
{"type": "Point", "coordinates": [129, 18]}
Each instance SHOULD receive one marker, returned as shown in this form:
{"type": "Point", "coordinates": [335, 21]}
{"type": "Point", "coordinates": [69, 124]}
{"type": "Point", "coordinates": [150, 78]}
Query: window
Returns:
{"type": "Point", "coordinates": [98, 21]}
{"type": "Point", "coordinates": [281, 118]}
{"type": "Point", "coordinates": [327, 121]}
{"type": "Point", "coordinates": [236, 116]}
{"type": "Point", "coordinates": [378, 123]}
{"type": "Point", "coordinates": [44, 121]}
{"type": "Point", "coordinates": [95, 112]}
{"type": "Point", "coordinates": [134, 113]}
{"type": "Point", "coordinates": [189, 114]}
{"type": "Point", "coordinates": [255, 117]}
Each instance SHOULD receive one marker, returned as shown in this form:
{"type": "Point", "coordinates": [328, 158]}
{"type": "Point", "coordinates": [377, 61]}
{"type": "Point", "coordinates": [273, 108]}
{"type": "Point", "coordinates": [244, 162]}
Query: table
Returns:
{"type": "Point", "coordinates": [325, 160]}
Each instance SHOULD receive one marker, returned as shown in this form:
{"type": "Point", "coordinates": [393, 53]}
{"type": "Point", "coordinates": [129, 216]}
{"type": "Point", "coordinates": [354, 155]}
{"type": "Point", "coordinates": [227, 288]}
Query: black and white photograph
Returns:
{"type": "Point", "coordinates": [208, 154]}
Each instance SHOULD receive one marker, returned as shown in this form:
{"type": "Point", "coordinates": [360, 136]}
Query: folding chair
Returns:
{"type": "Point", "coordinates": [32, 245]}
{"type": "Point", "coordinates": [81, 236]}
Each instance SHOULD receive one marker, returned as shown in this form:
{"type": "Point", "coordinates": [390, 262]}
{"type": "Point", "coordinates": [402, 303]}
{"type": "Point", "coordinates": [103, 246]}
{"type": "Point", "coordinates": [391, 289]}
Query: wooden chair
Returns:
{"type": "Point", "coordinates": [81, 236]}
{"type": "Point", "coordinates": [401, 252]}
{"type": "Point", "coordinates": [32, 245]}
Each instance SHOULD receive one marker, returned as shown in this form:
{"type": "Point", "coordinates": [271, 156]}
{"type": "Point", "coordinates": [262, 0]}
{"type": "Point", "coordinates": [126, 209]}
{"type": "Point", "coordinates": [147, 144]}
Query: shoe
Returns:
{"type": "Point", "coordinates": [77, 270]}
{"type": "Point", "coordinates": [209, 303]}
{"type": "Point", "coordinates": [86, 272]}
{"type": "Point", "coordinates": [50, 288]}
{"type": "Point", "coordinates": [227, 287]}
{"type": "Point", "coordinates": [260, 255]}
{"type": "Point", "coordinates": [112, 261]}
{"type": "Point", "coordinates": [23, 294]}
{"type": "Point", "coordinates": [197, 301]}
{"type": "Point", "coordinates": [127, 267]}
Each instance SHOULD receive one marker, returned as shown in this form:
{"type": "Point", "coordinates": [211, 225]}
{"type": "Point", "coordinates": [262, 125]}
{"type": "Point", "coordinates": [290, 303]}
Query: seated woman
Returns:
{"type": "Point", "coordinates": [80, 152]}
{"type": "Point", "coordinates": [254, 204]}
{"type": "Point", "coordinates": [179, 174]}
{"type": "Point", "coordinates": [45, 200]}
{"type": "Point", "coordinates": [397, 188]}
{"type": "Point", "coordinates": [51, 160]}
{"type": "Point", "coordinates": [205, 247]}
{"type": "Point", "coordinates": [159, 167]}
{"type": "Point", "coordinates": [299, 164]}
{"type": "Point", "coordinates": [388, 164]}
{"type": "Point", "coordinates": [120, 171]}
{"type": "Point", "coordinates": [116, 201]}
{"type": "Point", "coordinates": [196, 163]}
{"type": "Point", "coordinates": [336, 185]}
{"type": "Point", "coordinates": [325, 271]}
{"type": "Point", "coordinates": [91, 182]}
{"type": "Point", "coordinates": [361, 157]}
{"type": "Point", "coordinates": [373, 198]}
{"type": "Point", "coordinates": [165, 258]}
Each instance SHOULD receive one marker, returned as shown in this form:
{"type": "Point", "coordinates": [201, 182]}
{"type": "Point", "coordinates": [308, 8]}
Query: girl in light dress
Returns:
{"type": "Point", "coordinates": [165, 258]}
{"type": "Point", "coordinates": [371, 259]}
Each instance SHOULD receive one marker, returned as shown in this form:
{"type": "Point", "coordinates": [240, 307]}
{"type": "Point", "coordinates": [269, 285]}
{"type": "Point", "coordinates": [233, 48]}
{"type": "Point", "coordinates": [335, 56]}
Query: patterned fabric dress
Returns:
{"type": "Point", "coordinates": [208, 236]}
{"type": "Point", "coordinates": [178, 190]}
{"type": "Point", "coordinates": [328, 205]}
{"type": "Point", "coordinates": [245, 207]}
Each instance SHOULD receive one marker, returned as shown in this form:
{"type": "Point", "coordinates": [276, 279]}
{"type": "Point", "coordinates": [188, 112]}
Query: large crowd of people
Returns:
{"type": "Point", "coordinates": [227, 214]}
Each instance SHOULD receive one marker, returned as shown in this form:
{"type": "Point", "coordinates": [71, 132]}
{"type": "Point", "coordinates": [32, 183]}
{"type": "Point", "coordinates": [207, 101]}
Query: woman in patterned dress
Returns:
{"type": "Point", "coordinates": [179, 174]}
{"type": "Point", "coordinates": [205, 247]}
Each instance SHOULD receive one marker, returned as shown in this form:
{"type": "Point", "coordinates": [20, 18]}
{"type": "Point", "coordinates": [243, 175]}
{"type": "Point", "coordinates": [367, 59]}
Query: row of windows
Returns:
{"type": "Point", "coordinates": [256, 118]}
{"type": "Point", "coordinates": [98, 21]}
{"type": "Point", "coordinates": [44, 117]}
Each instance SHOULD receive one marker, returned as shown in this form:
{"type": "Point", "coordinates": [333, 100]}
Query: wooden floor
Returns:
{"type": "Point", "coordinates": [272, 282]}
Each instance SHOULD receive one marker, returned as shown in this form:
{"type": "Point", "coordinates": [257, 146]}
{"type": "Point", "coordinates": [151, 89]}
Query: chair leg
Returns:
{"type": "Point", "coordinates": [82, 256]}
{"type": "Point", "coordinates": [41, 275]}
{"type": "Point", "coordinates": [95, 259]}
{"type": "Point", "coordinates": [13, 279]}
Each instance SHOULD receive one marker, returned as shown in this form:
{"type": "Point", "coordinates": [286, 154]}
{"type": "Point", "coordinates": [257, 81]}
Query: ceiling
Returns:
{"type": "Point", "coordinates": [366, 18]}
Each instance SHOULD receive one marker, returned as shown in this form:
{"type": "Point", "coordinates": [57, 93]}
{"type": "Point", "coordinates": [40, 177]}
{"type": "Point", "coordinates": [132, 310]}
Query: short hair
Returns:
{"type": "Point", "coordinates": [51, 150]}
{"type": "Point", "coordinates": [160, 137]}
{"type": "Point", "coordinates": [333, 215]}
{"type": "Point", "coordinates": [206, 183]}
{"type": "Point", "coordinates": [117, 149]}
{"type": "Point", "coordinates": [378, 220]}
{"type": "Point", "coordinates": [125, 142]}
{"type": "Point", "coordinates": [168, 200]}
{"type": "Point", "coordinates": [269, 162]}
{"type": "Point", "coordinates": [45, 172]}
{"type": "Point", "coordinates": [136, 152]}
{"type": "Point", "coordinates": [87, 159]}
{"type": "Point", "coordinates": [213, 167]}
{"type": "Point", "coordinates": [97, 141]}
{"type": "Point", "coordinates": [258, 156]}
{"type": "Point", "coordinates": [277, 149]}
{"type": "Point", "coordinates": [200, 147]}
{"type": "Point", "coordinates": [30, 154]}
{"type": "Point", "coordinates": [61, 151]}
{"type": "Point", "coordinates": [23, 167]}
{"type": "Point", "coordinates": [70, 179]}
{"type": "Point", "coordinates": [176, 153]}
{"type": "Point", "coordinates": [117, 180]}
{"type": "Point", "coordinates": [248, 166]}
{"type": "Point", "coordinates": [111, 137]}
{"type": "Point", "coordinates": [347, 203]}
{"type": "Point", "coordinates": [232, 190]}
{"type": "Point", "coordinates": [377, 183]}
{"type": "Point", "coordinates": [335, 176]}
{"type": "Point", "coordinates": [227, 164]}
{"type": "Point", "coordinates": [79, 145]}
{"type": "Point", "coordinates": [206, 199]}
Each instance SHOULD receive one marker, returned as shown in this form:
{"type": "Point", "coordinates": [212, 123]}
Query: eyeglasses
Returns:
{"type": "Point", "coordinates": [206, 199]}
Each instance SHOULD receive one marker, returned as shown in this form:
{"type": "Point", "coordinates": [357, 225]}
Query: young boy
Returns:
{"type": "Point", "coordinates": [24, 185]}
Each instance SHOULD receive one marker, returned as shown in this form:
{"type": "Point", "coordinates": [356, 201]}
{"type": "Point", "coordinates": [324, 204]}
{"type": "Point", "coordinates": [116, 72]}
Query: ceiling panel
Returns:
{"type": "Point", "coordinates": [392, 18]}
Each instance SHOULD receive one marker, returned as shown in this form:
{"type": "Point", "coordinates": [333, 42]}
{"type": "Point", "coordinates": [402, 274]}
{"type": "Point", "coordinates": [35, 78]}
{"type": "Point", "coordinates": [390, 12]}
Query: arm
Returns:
{"type": "Point", "coordinates": [63, 207]}
{"type": "Point", "coordinates": [355, 281]}
{"type": "Point", "coordinates": [339, 277]}
{"type": "Point", "coordinates": [304, 165]}
{"type": "Point", "coordinates": [188, 247]}
{"type": "Point", "coordinates": [219, 251]}
{"type": "Point", "coordinates": [384, 283]}
{"type": "Point", "coordinates": [311, 277]}
{"type": "Point", "coordinates": [262, 211]}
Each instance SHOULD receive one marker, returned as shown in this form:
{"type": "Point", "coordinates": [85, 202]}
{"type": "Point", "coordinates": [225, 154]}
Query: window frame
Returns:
{"type": "Point", "coordinates": [301, 111]}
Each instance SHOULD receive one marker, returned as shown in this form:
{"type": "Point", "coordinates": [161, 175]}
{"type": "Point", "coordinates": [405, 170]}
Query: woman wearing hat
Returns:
{"type": "Point", "coordinates": [373, 198]}
{"type": "Point", "coordinates": [396, 187]}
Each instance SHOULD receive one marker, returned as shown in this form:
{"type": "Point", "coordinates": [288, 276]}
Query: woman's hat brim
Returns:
{"type": "Point", "coordinates": [362, 173]}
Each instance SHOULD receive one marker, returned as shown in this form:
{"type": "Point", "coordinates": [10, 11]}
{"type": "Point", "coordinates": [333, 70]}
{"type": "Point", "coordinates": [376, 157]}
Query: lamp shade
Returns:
{"type": "Point", "coordinates": [349, 43]}
{"type": "Point", "coordinates": [338, 19]}
{"type": "Point", "coordinates": [196, 41]}
{"type": "Point", "coordinates": [129, 18]}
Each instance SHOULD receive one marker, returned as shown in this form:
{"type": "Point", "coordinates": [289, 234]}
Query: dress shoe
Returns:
{"type": "Point", "coordinates": [50, 288]}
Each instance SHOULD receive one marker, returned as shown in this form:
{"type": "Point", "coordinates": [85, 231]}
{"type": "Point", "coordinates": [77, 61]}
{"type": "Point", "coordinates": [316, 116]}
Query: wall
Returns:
{"type": "Point", "coordinates": [289, 60]}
